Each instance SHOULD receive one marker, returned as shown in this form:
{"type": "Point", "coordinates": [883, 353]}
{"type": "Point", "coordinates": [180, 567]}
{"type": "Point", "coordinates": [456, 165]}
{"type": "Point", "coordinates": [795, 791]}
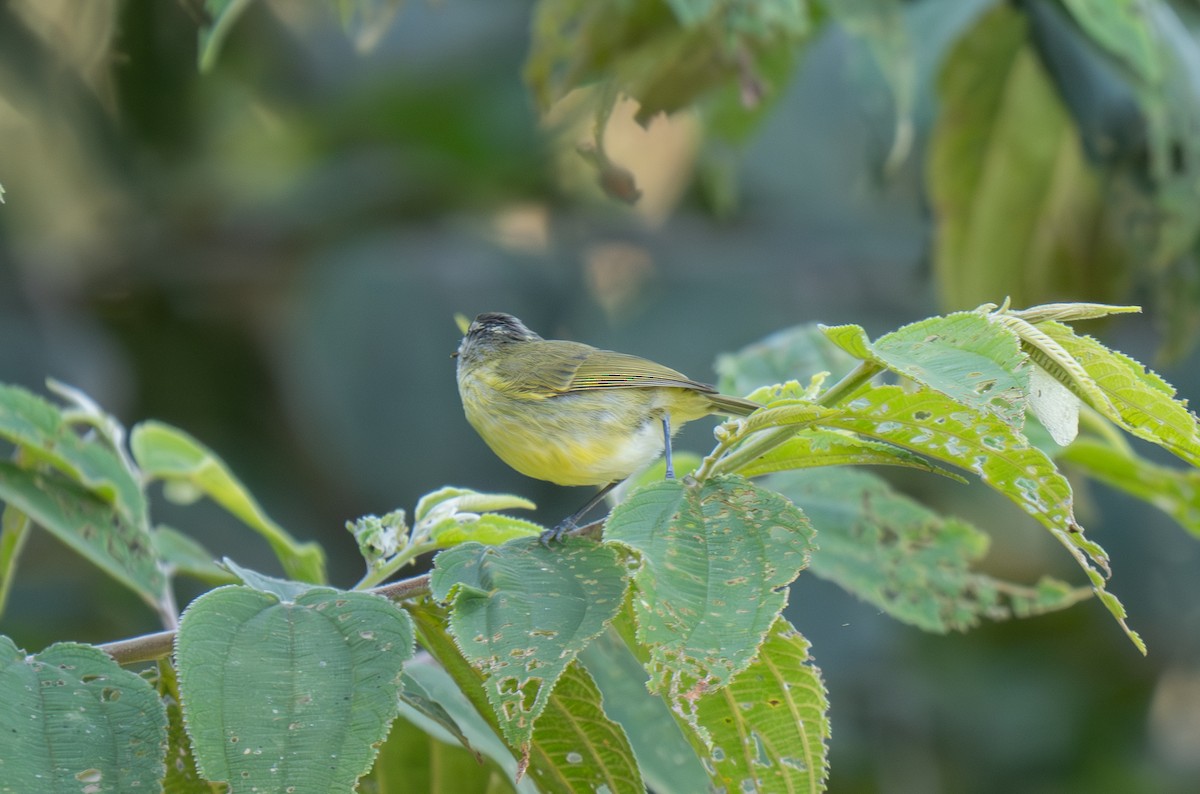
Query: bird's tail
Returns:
{"type": "Point", "coordinates": [734, 406]}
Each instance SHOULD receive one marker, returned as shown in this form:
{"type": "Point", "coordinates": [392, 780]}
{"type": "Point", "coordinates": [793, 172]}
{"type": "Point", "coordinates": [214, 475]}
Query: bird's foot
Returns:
{"type": "Point", "coordinates": [556, 534]}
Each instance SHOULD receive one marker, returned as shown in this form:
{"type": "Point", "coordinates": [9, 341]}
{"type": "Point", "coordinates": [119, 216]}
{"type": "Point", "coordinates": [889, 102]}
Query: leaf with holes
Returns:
{"type": "Point", "coordinates": [912, 563]}
{"type": "Point", "coordinates": [932, 424]}
{"type": "Point", "coordinates": [73, 720]}
{"type": "Point", "coordinates": [520, 613]}
{"type": "Point", "coordinates": [92, 527]}
{"type": "Point", "coordinates": [962, 355]}
{"type": "Point", "coordinates": [715, 562]}
{"type": "Point", "coordinates": [290, 693]}
{"type": "Point", "coordinates": [38, 427]}
{"type": "Point", "coordinates": [770, 726]}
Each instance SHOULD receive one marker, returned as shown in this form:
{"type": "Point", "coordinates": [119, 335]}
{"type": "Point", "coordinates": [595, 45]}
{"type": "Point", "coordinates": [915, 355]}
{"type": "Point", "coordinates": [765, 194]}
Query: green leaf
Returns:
{"type": "Point", "coordinates": [222, 14]}
{"type": "Point", "coordinates": [285, 590]}
{"type": "Point", "coordinates": [932, 424]}
{"type": "Point", "coordinates": [521, 612]}
{"type": "Point", "coordinates": [490, 529]}
{"type": "Point", "coordinates": [790, 354]}
{"type": "Point", "coordinates": [977, 363]}
{"type": "Point", "coordinates": [1018, 210]}
{"type": "Point", "coordinates": [169, 454]}
{"type": "Point", "coordinates": [39, 428]}
{"type": "Point", "coordinates": [1174, 491]}
{"type": "Point", "coordinates": [821, 447]}
{"type": "Point", "coordinates": [912, 563]}
{"type": "Point", "coordinates": [579, 747]}
{"type": "Point", "coordinates": [1138, 400]}
{"type": "Point", "coordinates": [366, 21]}
{"type": "Point", "coordinates": [73, 720]}
{"type": "Point", "coordinates": [770, 726]}
{"type": "Point", "coordinates": [92, 527]}
{"type": "Point", "coordinates": [450, 500]}
{"type": "Point", "coordinates": [715, 562]}
{"type": "Point", "coordinates": [290, 694]}
{"type": "Point", "coordinates": [667, 762]}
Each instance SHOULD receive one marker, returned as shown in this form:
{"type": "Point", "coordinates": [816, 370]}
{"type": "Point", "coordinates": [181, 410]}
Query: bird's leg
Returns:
{"type": "Point", "coordinates": [666, 422]}
{"type": "Point", "coordinates": [571, 522]}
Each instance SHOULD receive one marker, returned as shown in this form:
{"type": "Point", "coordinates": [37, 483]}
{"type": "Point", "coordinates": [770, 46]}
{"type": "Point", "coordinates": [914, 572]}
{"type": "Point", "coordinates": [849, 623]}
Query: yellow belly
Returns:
{"type": "Point", "coordinates": [587, 438]}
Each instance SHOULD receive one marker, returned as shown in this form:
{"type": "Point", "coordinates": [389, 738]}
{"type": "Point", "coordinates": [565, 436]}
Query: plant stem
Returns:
{"type": "Point", "coordinates": [766, 441]}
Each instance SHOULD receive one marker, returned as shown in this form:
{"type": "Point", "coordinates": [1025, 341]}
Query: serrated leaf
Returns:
{"type": "Point", "coordinates": [290, 694]}
{"type": "Point", "coordinates": [715, 562]}
{"type": "Point", "coordinates": [667, 762]}
{"type": "Point", "coordinates": [822, 447]}
{"type": "Point", "coordinates": [92, 527]}
{"type": "Point", "coordinates": [934, 425]}
{"type": "Point", "coordinates": [791, 354]}
{"type": "Point", "coordinates": [962, 355]}
{"type": "Point", "coordinates": [912, 563]}
{"type": "Point", "coordinates": [1138, 400]}
{"type": "Point", "coordinates": [581, 749]}
{"type": "Point", "coordinates": [520, 613]}
{"type": "Point", "coordinates": [770, 726]}
{"type": "Point", "coordinates": [784, 413]}
{"type": "Point", "coordinates": [73, 720]}
{"type": "Point", "coordinates": [1174, 491]}
{"type": "Point", "coordinates": [490, 529]}
{"type": "Point", "coordinates": [37, 426]}
{"type": "Point", "coordinates": [167, 453]}
{"type": "Point", "coordinates": [463, 500]}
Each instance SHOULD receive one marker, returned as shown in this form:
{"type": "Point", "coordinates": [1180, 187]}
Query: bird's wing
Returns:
{"type": "Point", "coordinates": [604, 369]}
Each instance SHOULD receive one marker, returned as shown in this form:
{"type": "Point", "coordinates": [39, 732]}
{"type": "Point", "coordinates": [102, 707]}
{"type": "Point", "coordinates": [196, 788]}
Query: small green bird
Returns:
{"type": "Point", "coordinates": [570, 413]}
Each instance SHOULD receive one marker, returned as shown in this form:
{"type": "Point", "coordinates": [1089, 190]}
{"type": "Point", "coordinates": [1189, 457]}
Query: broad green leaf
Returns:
{"type": "Point", "coordinates": [521, 612]}
{"type": "Point", "coordinates": [1174, 491]}
{"type": "Point", "coordinates": [667, 762]}
{"type": "Point", "coordinates": [715, 562]}
{"type": "Point", "coordinates": [792, 354]}
{"type": "Point", "coordinates": [962, 355]}
{"type": "Point", "coordinates": [912, 563]}
{"type": "Point", "coordinates": [222, 14]}
{"type": "Point", "coordinates": [580, 748]}
{"type": "Point", "coordinates": [38, 427]}
{"type": "Point", "coordinates": [1138, 399]}
{"type": "Point", "coordinates": [770, 726]}
{"type": "Point", "coordinates": [290, 694]}
{"type": "Point", "coordinates": [167, 453]}
{"type": "Point", "coordinates": [72, 720]}
{"type": "Point", "coordinates": [182, 777]}
{"type": "Point", "coordinates": [1018, 209]}
{"type": "Point", "coordinates": [932, 424]}
{"type": "Point", "coordinates": [89, 525]}
{"type": "Point", "coordinates": [822, 447]}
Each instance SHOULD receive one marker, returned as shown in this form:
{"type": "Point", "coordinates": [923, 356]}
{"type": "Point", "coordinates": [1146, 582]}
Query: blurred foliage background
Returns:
{"type": "Point", "coordinates": [268, 253]}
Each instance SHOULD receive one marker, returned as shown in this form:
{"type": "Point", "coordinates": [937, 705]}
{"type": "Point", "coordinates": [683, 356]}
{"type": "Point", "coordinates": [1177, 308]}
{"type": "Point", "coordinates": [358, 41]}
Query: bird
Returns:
{"type": "Point", "coordinates": [573, 414]}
